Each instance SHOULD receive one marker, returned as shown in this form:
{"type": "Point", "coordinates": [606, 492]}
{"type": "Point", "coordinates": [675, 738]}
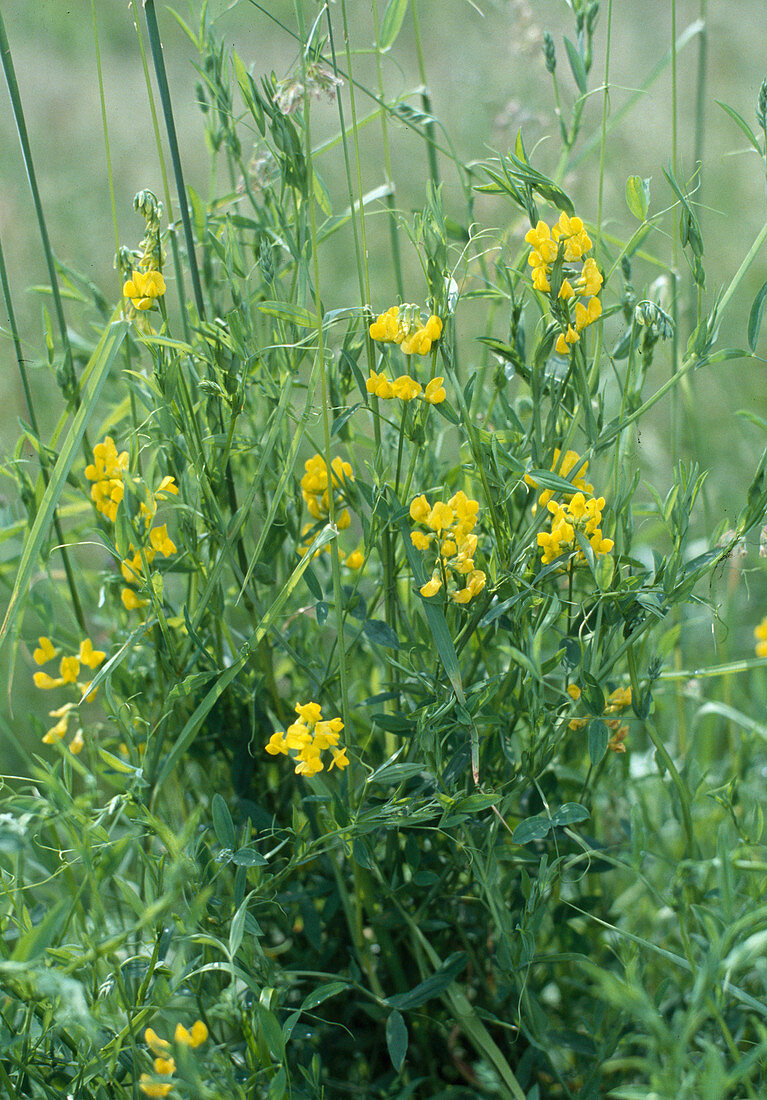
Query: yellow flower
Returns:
{"type": "Point", "coordinates": [435, 391]}
{"type": "Point", "coordinates": [760, 633]}
{"type": "Point", "coordinates": [69, 670]}
{"type": "Point", "coordinates": [309, 712]}
{"type": "Point", "coordinates": [45, 682]}
{"type": "Point", "coordinates": [106, 471]}
{"type": "Point", "coordinates": [419, 509]}
{"type": "Point", "coordinates": [405, 387]}
{"type": "Point", "coordinates": [420, 540]}
{"type": "Point", "coordinates": [161, 541]}
{"type": "Point", "coordinates": [379, 385]}
{"type": "Point", "coordinates": [166, 486]}
{"type": "Point", "coordinates": [130, 600]}
{"type": "Point", "coordinates": [90, 656]}
{"type": "Point", "coordinates": [574, 692]}
{"type": "Point", "coordinates": [618, 700]}
{"type": "Point", "coordinates": [158, 1046]}
{"type": "Point", "coordinates": [150, 1087]}
{"type": "Point", "coordinates": [277, 744]}
{"type": "Point", "coordinates": [431, 587]}
{"type": "Point", "coordinates": [143, 288]}
{"type": "Point", "coordinates": [45, 651]}
{"type": "Point", "coordinates": [340, 759]}
{"type": "Point", "coordinates": [57, 732]}
{"type": "Point", "coordinates": [355, 560]}
{"type": "Point", "coordinates": [77, 743]}
{"type": "Point", "coordinates": [165, 1066]}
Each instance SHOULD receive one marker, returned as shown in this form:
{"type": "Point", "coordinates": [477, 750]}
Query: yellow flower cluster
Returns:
{"type": "Point", "coordinates": [164, 1062]}
{"type": "Point", "coordinates": [106, 473]}
{"type": "Point", "coordinates": [617, 701]}
{"type": "Point", "coordinates": [450, 529]}
{"type": "Point", "coordinates": [315, 490]}
{"type": "Point", "coordinates": [577, 514]}
{"type": "Point", "coordinates": [69, 670]}
{"type": "Point", "coordinates": [308, 738]}
{"type": "Point", "coordinates": [760, 633]}
{"type": "Point", "coordinates": [403, 325]}
{"type": "Point", "coordinates": [406, 388]}
{"type": "Point", "coordinates": [143, 288]}
{"type": "Point", "coordinates": [567, 240]}
{"type": "Point", "coordinates": [131, 568]}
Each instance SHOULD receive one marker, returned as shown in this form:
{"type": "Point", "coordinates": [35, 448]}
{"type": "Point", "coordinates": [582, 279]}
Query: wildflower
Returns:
{"type": "Point", "coordinates": [451, 527]}
{"type": "Point", "coordinates": [315, 489]}
{"type": "Point", "coordinates": [45, 651]}
{"type": "Point", "coordinates": [403, 325]}
{"type": "Point", "coordinates": [618, 700]}
{"type": "Point", "coordinates": [155, 1043]}
{"type": "Point", "coordinates": [150, 1087]}
{"type": "Point", "coordinates": [106, 471]}
{"type": "Point", "coordinates": [355, 560]}
{"type": "Point", "coordinates": [405, 387]}
{"type": "Point", "coordinates": [568, 242]}
{"type": "Point", "coordinates": [579, 514]}
{"type": "Point", "coordinates": [143, 288]}
{"type": "Point", "coordinates": [308, 738]}
{"type": "Point", "coordinates": [435, 391]}
{"type": "Point", "coordinates": [760, 633]}
{"type": "Point", "coordinates": [90, 656]}
{"type": "Point", "coordinates": [379, 385]}
{"type": "Point", "coordinates": [194, 1038]}
{"type": "Point", "coordinates": [161, 541]}
{"type": "Point", "coordinates": [77, 743]}
{"type": "Point", "coordinates": [574, 692]}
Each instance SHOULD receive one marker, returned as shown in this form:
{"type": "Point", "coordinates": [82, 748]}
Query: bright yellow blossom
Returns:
{"type": "Point", "coordinates": [143, 288]}
{"type": "Point", "coordinates": [760, 633]}
{"type": "Point", "coordinates": [308, 738]}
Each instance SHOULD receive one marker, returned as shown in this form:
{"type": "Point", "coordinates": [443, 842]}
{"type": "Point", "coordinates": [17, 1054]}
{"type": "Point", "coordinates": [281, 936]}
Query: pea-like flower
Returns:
{"type": "Point", "coordinates": [403, 325]}
{"type": "Point", "coordinates": [308, 738]}
{"type": "Point", "coordinates": [143, 288]}
{"type": "Point", "coordinates": [316, 487]}
{"type": "Point", "coordinates": [760, 633]}
{"type": "Point", "coordinates": [577, 514]}
{"type": "Point", "coordinates": [69, 671]}
{"type": "Point", "coordinates": [568, 242]}
{"type": "Point", "coordinates": [450, 532]}
{"type": "Point", "coordinates": [106, 472]}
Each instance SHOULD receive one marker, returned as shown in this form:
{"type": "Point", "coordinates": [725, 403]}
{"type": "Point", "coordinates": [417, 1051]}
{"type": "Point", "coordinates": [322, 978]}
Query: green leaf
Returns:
{"type": "Point", "coordinates": [95, 372]}
{"type": "Point", "coordinates": [381, 633]}
{"type": "Point", "coordinates": [287, 311]}
{"type": "Point", "coordinates": [392, 23]}
{"type": "Point", "coordinates": [533, 828]}
{"type": "Point", "coordinates": [755, 317]}
{"type": "Point", "coordinates": [598, 736]}
{"type": "Point", "coordinates": [248, 857]}
{"type": "Point", "coordinates": [741, 122]}
{"type": "Point", "coordinates": [569, 813]}
{"type": "Point", "coordinates": [396, 1039]}
{"type": "Point", "coordinates": [577, 66]}
{"type": "Point", "coordinates": [237, 928]}
{"type": "Point", "coordinates": [638, 196]}
{"type": "Point", "coordinates": [37, 940]}
{"type": "Point", "coordinates": [222, 822]}
{"type": "Point", "coordinates": [433, 986]}
{"type": "Point", "coordinates": [323, 993]}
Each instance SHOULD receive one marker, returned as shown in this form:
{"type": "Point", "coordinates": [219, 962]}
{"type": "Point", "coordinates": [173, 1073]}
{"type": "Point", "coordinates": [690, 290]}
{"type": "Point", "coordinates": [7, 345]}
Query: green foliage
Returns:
{"type": "Point", "coordinates": [509, 858]}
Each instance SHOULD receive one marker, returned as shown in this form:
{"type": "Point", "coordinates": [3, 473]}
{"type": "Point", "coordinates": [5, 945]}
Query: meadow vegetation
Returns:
{"type": "Point", "coordinates": [368, 734]}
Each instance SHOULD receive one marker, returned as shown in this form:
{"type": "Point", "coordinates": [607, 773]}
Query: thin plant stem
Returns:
{"type": "Point", "coordinates": [155, 46]}
{"type": "Point", "coordinates": [26, 152]}
{"type": "Point", "coordinates": [44, 469]}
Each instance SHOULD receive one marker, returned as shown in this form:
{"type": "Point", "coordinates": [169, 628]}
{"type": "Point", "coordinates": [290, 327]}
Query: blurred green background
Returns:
{"type": "Point", "coordinates": [486, 77]}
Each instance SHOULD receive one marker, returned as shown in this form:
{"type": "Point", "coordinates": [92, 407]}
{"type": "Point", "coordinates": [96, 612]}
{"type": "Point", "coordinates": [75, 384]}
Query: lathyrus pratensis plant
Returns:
{"type": "Point", "coordinates": [313, 499]}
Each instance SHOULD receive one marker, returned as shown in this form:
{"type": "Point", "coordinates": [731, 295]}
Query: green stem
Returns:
{"type": "Point", "coordinates": [668, 763]}
{"type": "Point", "coordinates": [26, 152]}
{"type": "Point", "coordinates": [155, 46]}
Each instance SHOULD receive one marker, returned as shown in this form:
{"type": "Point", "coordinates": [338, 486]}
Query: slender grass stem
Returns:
{"type": "Point", "coordinates": [155, 46]}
